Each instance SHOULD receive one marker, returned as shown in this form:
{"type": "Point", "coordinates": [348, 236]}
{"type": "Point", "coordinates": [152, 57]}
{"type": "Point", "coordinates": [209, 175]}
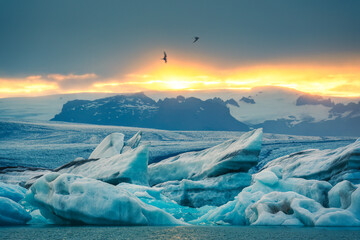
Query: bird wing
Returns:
{"type": "Point", "coordinates": [165, 54]}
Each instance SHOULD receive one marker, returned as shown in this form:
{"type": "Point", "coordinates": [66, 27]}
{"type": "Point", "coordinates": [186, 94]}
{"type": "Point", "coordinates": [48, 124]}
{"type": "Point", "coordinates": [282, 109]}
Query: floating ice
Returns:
{"type": "Point", "coordinates": [110, 146]}
{"type": "Point", "coordinates": [214, 191]}
{"type": "Point", "coordinates": [12, 213]}
{"type": "Point", "coordinates": [340, 195]}
{"type": "Point", "coordinates": [76, 199]}
{"type": "Point", "coordinates": [13, 192]}
{"type": "Point", "coordinates": [271, 200]}
{"type": "Point", "coordinates": [237, 155]}
{"type": "Point", "coordinates": [332, 165]}
{"type": "Point", "coordinates": [152, 196]}
{"type": "Point", "coordinates": [130, 167]}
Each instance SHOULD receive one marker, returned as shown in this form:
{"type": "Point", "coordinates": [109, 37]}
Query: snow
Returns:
{"type": "Point", "coordinates": [75, 199]}
{"type": "Point", "coordinates": [333, 165]}
{"type": "Point", "coordinates": [231, 156]}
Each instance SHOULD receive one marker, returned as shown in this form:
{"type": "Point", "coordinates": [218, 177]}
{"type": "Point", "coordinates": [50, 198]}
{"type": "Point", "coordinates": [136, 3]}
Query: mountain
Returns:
{"type": "Point", "coordinates": [138, 110]}
{"type": "Point", "coordinates": [276, 109]}
{"type": "Point", "coordinates": [43, 107]}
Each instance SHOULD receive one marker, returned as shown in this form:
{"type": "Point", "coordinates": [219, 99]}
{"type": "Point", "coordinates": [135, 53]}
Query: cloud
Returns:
{"type": "Point", "coordinates": [60, 77]}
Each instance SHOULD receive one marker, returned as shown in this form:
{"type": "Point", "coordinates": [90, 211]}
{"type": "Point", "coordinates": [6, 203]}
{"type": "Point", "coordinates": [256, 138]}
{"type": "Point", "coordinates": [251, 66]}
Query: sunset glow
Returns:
{"type": "Point", "coordinates": [342, 81]}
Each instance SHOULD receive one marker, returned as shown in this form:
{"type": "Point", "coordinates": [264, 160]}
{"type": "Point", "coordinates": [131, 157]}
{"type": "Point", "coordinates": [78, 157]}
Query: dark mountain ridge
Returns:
{"type": "Point", "coordinates": [138, 110]}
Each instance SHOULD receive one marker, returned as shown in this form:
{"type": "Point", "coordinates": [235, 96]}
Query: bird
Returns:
{"type": "Point", "coordinates": [165, 57]}
{"type": "Point", "coordinates": [195, 39]}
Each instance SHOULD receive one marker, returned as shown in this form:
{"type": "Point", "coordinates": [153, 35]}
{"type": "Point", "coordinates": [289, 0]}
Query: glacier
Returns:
{"type": "Point", "coordinates": [236, 155]}
{"type": "Point", "coordinates": [66, 198]}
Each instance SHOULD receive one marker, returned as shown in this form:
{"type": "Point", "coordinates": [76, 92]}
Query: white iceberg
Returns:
{"type": "Point", "coordinates": [110, 146]}
{"type": "Point", "coordinates": [271, 200]}
{"type": "Point", "coordinates": [331, 165]}
{"type": "Point", "coordinates": [237, 155]}
{"type": "Point", "coordinates": [76, 199]}
{"type": "Point", "coordinates": [130, 166]}
{"type": "Point", "coordinates": [112, 161]}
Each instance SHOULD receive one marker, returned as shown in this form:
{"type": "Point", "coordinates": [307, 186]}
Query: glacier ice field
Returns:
{"type": "Point", "coordinates": [61, 173]}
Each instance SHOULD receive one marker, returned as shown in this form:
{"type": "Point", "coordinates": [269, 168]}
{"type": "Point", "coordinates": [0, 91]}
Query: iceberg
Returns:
{"type": "Point", "coordinates": [214, 191]}
{"type": "Point", "coordinates": [130, 166]}
{"type": "Point", "coordinates": [12, 213]}
{"type": "Point", "coordinates": [113, 161]}
{"type": "Point", "coordinates": [67, 198]}
{"type": "Point", "coordinates": [114, 144]}
{"type": "Point", "coordinates": [271, 200]}
{"type": "Point", "coordinates": [340, 194]}
{"type": "Point", "coordinates": [13, 192]}
{"type": "Point", "coordinates": [110, 146]}
{"type": "Point", "coordinates": [237, 155]}
{"type": "Point", "coordinates": [330, 165]}
{"type": "Point", "coordinates": [152, 196]}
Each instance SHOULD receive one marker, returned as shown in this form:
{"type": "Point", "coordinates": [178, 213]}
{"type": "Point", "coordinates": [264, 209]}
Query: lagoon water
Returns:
{"type": "Point", "coordinates": [191, 232]}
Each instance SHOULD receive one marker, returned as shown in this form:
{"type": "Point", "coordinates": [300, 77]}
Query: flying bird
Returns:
{"type": "Point", "coordinates": [195, 39]}
{"type": "Point", "coordinates": [165, 57]}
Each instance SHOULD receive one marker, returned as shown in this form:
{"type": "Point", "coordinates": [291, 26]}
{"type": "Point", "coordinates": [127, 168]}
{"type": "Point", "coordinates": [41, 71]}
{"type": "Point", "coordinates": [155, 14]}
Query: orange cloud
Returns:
{"type": "Point", "coordinates": [60, 77]}
{"type": "Point", "coordinates": [330, 80]}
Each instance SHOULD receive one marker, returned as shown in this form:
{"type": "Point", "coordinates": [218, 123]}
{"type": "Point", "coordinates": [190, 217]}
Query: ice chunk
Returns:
{"type": "Point", "coordinates": [76, 199]}
{"type": "Point", "coordinates": [37, 218]}
{"type": "Point", "coordinates": [130, 167]}
{"type": "Point", "coordinates": [274, 209]}
{"type": "Point", "coordinates": [334, 165]}
{"type": "Point", "coordinates": [153, 197]}
{"type": "Point", "coordinates": [267, 177]}
{"type": "Point", "coordinates": [210, 191]}
{"type": "Point", "coordinates": [132, 142]}
{"type": "Point", "coordinates": [13, 192]}
{"type": "Point", "coordinates": [271, 200]}
{"type": "Point", "coordinates": [268, 181]}
{"type": "Point", "coordinates": [237, 155]}
{"type": "Point", "coordinates": [12, 213]}
{"type": "Point", "coordinates": [110, 146]}
{"type": "Point", "coordinates": [340, 195]}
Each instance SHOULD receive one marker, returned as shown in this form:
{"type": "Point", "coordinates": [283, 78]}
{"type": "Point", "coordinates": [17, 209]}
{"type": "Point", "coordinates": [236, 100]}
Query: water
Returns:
{"type": "Point", "coordinates": [192, 232]}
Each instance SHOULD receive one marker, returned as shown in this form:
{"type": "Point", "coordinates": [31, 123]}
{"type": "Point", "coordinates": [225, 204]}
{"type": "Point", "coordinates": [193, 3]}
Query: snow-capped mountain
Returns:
{"type": "Point", "coordinates": [276, 109]}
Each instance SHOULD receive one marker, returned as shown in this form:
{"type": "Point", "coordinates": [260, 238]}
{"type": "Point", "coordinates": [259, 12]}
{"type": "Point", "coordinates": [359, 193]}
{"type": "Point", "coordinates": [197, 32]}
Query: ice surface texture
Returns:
{"type": "Point", "coordinates": [271, 200]}
{"type": "Point", "coordinates": [11, 212]}
{"type": "Point", "coordinates": [331, 165]}
{"type": "Point", "coordinates": [66, 198]}
{"type": "Point", "coordinates": [214, 191]}
{"type": "Point", "coordinates": [237, 155]}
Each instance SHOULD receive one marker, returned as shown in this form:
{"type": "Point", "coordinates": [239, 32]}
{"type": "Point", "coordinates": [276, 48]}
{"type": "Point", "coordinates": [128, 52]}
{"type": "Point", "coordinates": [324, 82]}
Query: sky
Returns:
{"type": "Point", "coordinates": [68, 46]}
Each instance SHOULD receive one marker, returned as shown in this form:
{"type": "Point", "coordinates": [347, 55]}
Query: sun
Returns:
{"type": "Point", "coordinates": [177, 84]}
